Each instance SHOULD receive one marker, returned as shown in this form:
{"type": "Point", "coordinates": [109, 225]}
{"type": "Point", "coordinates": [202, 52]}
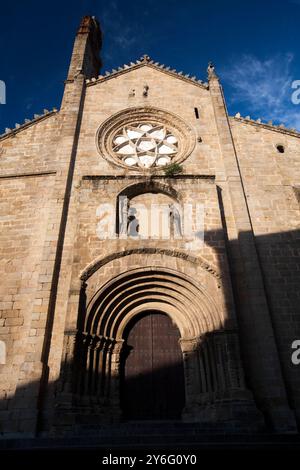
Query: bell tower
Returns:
{"type": "Point", "coordinates": [85, 57]}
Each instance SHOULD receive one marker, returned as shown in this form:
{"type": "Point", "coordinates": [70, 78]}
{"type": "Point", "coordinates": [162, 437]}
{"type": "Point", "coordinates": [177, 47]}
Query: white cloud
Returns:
{"type": "Point", "coordinates": [264, 87]}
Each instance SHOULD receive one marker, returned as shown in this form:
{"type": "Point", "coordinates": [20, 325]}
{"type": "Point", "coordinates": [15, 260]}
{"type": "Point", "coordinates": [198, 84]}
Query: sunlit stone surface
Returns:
{"type": "Point", "coordinates": [145, 143]}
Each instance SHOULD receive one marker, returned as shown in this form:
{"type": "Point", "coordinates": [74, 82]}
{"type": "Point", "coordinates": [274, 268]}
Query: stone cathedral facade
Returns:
{"type": "Point", "coordinates": [149, 258]}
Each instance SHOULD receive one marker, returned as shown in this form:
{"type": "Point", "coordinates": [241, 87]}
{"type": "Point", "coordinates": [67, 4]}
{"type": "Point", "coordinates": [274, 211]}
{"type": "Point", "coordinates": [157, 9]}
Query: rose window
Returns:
{"type": "Point", "coordinates": [145, 145]}
{"type": "Point", "coordinates": [145, 139]}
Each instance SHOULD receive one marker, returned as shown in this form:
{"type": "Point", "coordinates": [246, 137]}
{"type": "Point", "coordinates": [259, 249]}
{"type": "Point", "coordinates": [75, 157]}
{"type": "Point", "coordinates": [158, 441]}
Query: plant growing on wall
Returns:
{"type": "Point", "coordinates": [173, 169]}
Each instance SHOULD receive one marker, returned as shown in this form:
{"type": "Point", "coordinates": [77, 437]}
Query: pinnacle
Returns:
{"type": "Point", "coordinates": [145, 58]}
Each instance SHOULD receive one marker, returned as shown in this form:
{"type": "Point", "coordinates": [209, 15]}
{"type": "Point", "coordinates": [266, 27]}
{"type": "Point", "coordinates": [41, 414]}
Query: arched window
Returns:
{"type": "Point", "coordinates": [148, 211]}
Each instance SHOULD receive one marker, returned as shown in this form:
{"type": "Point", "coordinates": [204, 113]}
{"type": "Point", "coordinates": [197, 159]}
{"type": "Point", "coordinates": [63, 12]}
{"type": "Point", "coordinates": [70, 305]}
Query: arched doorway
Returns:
{"type": "Point", "coordinates": [152, 369]}
{"type": "Point", "coordinates": [114, 329]}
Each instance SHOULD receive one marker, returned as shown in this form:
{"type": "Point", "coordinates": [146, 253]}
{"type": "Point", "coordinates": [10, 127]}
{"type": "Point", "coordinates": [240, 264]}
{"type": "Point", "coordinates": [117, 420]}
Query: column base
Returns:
{"type": "Point", "coordinates": [226, 416]}
{"type": "Point", "coordinates": [281, 419]}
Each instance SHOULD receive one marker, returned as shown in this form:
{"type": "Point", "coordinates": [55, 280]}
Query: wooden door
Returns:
{"type": "Point", "coordinates": [153, 379]}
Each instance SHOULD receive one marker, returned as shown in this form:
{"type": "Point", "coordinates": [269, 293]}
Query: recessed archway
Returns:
{"type": "Point", "coordinates": [152, 376]}
{"type": "Point", "coordinates": [113, 306]}
{"type": "Point", "coordinates": [209, 352]}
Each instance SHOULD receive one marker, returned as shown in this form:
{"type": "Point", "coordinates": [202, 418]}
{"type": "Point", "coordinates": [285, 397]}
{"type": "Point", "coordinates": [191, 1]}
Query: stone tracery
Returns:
{"type": "Point", "coordinates": [145, 139]}
{"type": "Point", "coordinates": [145, 145]}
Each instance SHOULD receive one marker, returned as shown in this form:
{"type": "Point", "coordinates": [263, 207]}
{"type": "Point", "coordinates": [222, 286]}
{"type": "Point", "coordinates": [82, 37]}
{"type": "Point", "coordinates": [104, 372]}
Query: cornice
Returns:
{"type": "Point", "coordinates": [27, 123]}
{"type": "Point", "coordinates": [266, 125]}
{"type": "Point", "coordinates": [145, 60]}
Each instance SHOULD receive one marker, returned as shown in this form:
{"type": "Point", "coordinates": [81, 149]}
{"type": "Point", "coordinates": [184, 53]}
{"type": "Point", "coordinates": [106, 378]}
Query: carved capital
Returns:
{"type": "Point", "coordinates": [190, 345]}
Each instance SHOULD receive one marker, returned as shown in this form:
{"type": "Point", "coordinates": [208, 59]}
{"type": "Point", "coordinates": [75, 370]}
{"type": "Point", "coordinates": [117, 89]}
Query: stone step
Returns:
{"type": "Point", "coordinates": [137, 435]}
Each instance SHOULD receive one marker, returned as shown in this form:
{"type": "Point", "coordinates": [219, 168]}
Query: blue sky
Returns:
{"type": "Point", "coordinates": [255, 47]}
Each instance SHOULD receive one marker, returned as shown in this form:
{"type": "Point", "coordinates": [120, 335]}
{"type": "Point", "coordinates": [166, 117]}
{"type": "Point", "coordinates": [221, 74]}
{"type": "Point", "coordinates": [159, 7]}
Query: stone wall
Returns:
{"type": "Point", "coordinates": [269, 178]}
{"type": "Point", "coordinates": [53, 180]}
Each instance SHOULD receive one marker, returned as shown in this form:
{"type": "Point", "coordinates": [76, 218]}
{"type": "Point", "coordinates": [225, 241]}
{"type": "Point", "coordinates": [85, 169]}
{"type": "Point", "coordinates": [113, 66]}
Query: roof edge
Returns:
{"type": "Point", "coordinates": [145, 60]}
{"type": "Point", "coordinates": [27, 123]}
{"type": "Point", "coordinates": [267, 125]}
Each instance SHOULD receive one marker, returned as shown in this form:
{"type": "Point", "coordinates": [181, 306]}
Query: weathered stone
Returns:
{"type": "Point", "coordinates": [68, 295]}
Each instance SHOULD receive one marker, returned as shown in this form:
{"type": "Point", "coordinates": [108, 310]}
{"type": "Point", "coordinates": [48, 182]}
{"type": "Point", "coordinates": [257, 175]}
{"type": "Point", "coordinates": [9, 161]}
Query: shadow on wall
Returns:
{"type": "Point", "coordinates": [278, 256]}
{"type": "Point", "coordinates": [151, 390]}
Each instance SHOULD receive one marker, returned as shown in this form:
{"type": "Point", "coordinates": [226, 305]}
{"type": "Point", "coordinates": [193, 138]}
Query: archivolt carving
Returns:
{"type": "Point", "coordinates": [150, 186]}
{"type": "Point", "coordinates": [121, 298]}
{"type": "Point", "coordinates": [213, 371]}
{"type": "Point", "coordinates": [99, 262]}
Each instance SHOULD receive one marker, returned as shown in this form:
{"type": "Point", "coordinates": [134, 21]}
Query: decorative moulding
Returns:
{"type": "Point", "coordinates": [27, 122]}
{"type": "Point", "coordinates": [186, 138]}
{"type": "Point", "coordinates": [146, 60]}
{"type": "Point", "coordinates": [267, 125]}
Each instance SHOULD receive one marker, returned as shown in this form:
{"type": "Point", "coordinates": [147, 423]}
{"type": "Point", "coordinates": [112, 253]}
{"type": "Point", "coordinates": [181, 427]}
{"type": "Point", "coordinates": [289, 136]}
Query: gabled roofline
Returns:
{"type": "Point", "coordinates": [146, 61]}
{"type": "Point", "coordinates": [27, 123]}
{"type": "Point", "coordinates": [267, 125]}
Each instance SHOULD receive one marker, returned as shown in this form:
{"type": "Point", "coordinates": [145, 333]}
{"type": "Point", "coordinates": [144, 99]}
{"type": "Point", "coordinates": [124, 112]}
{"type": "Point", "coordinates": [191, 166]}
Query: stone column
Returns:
{"type": "Point", "coordinates": [190, 347]}
{"type": "Point", "coordinates": [114, 399]}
